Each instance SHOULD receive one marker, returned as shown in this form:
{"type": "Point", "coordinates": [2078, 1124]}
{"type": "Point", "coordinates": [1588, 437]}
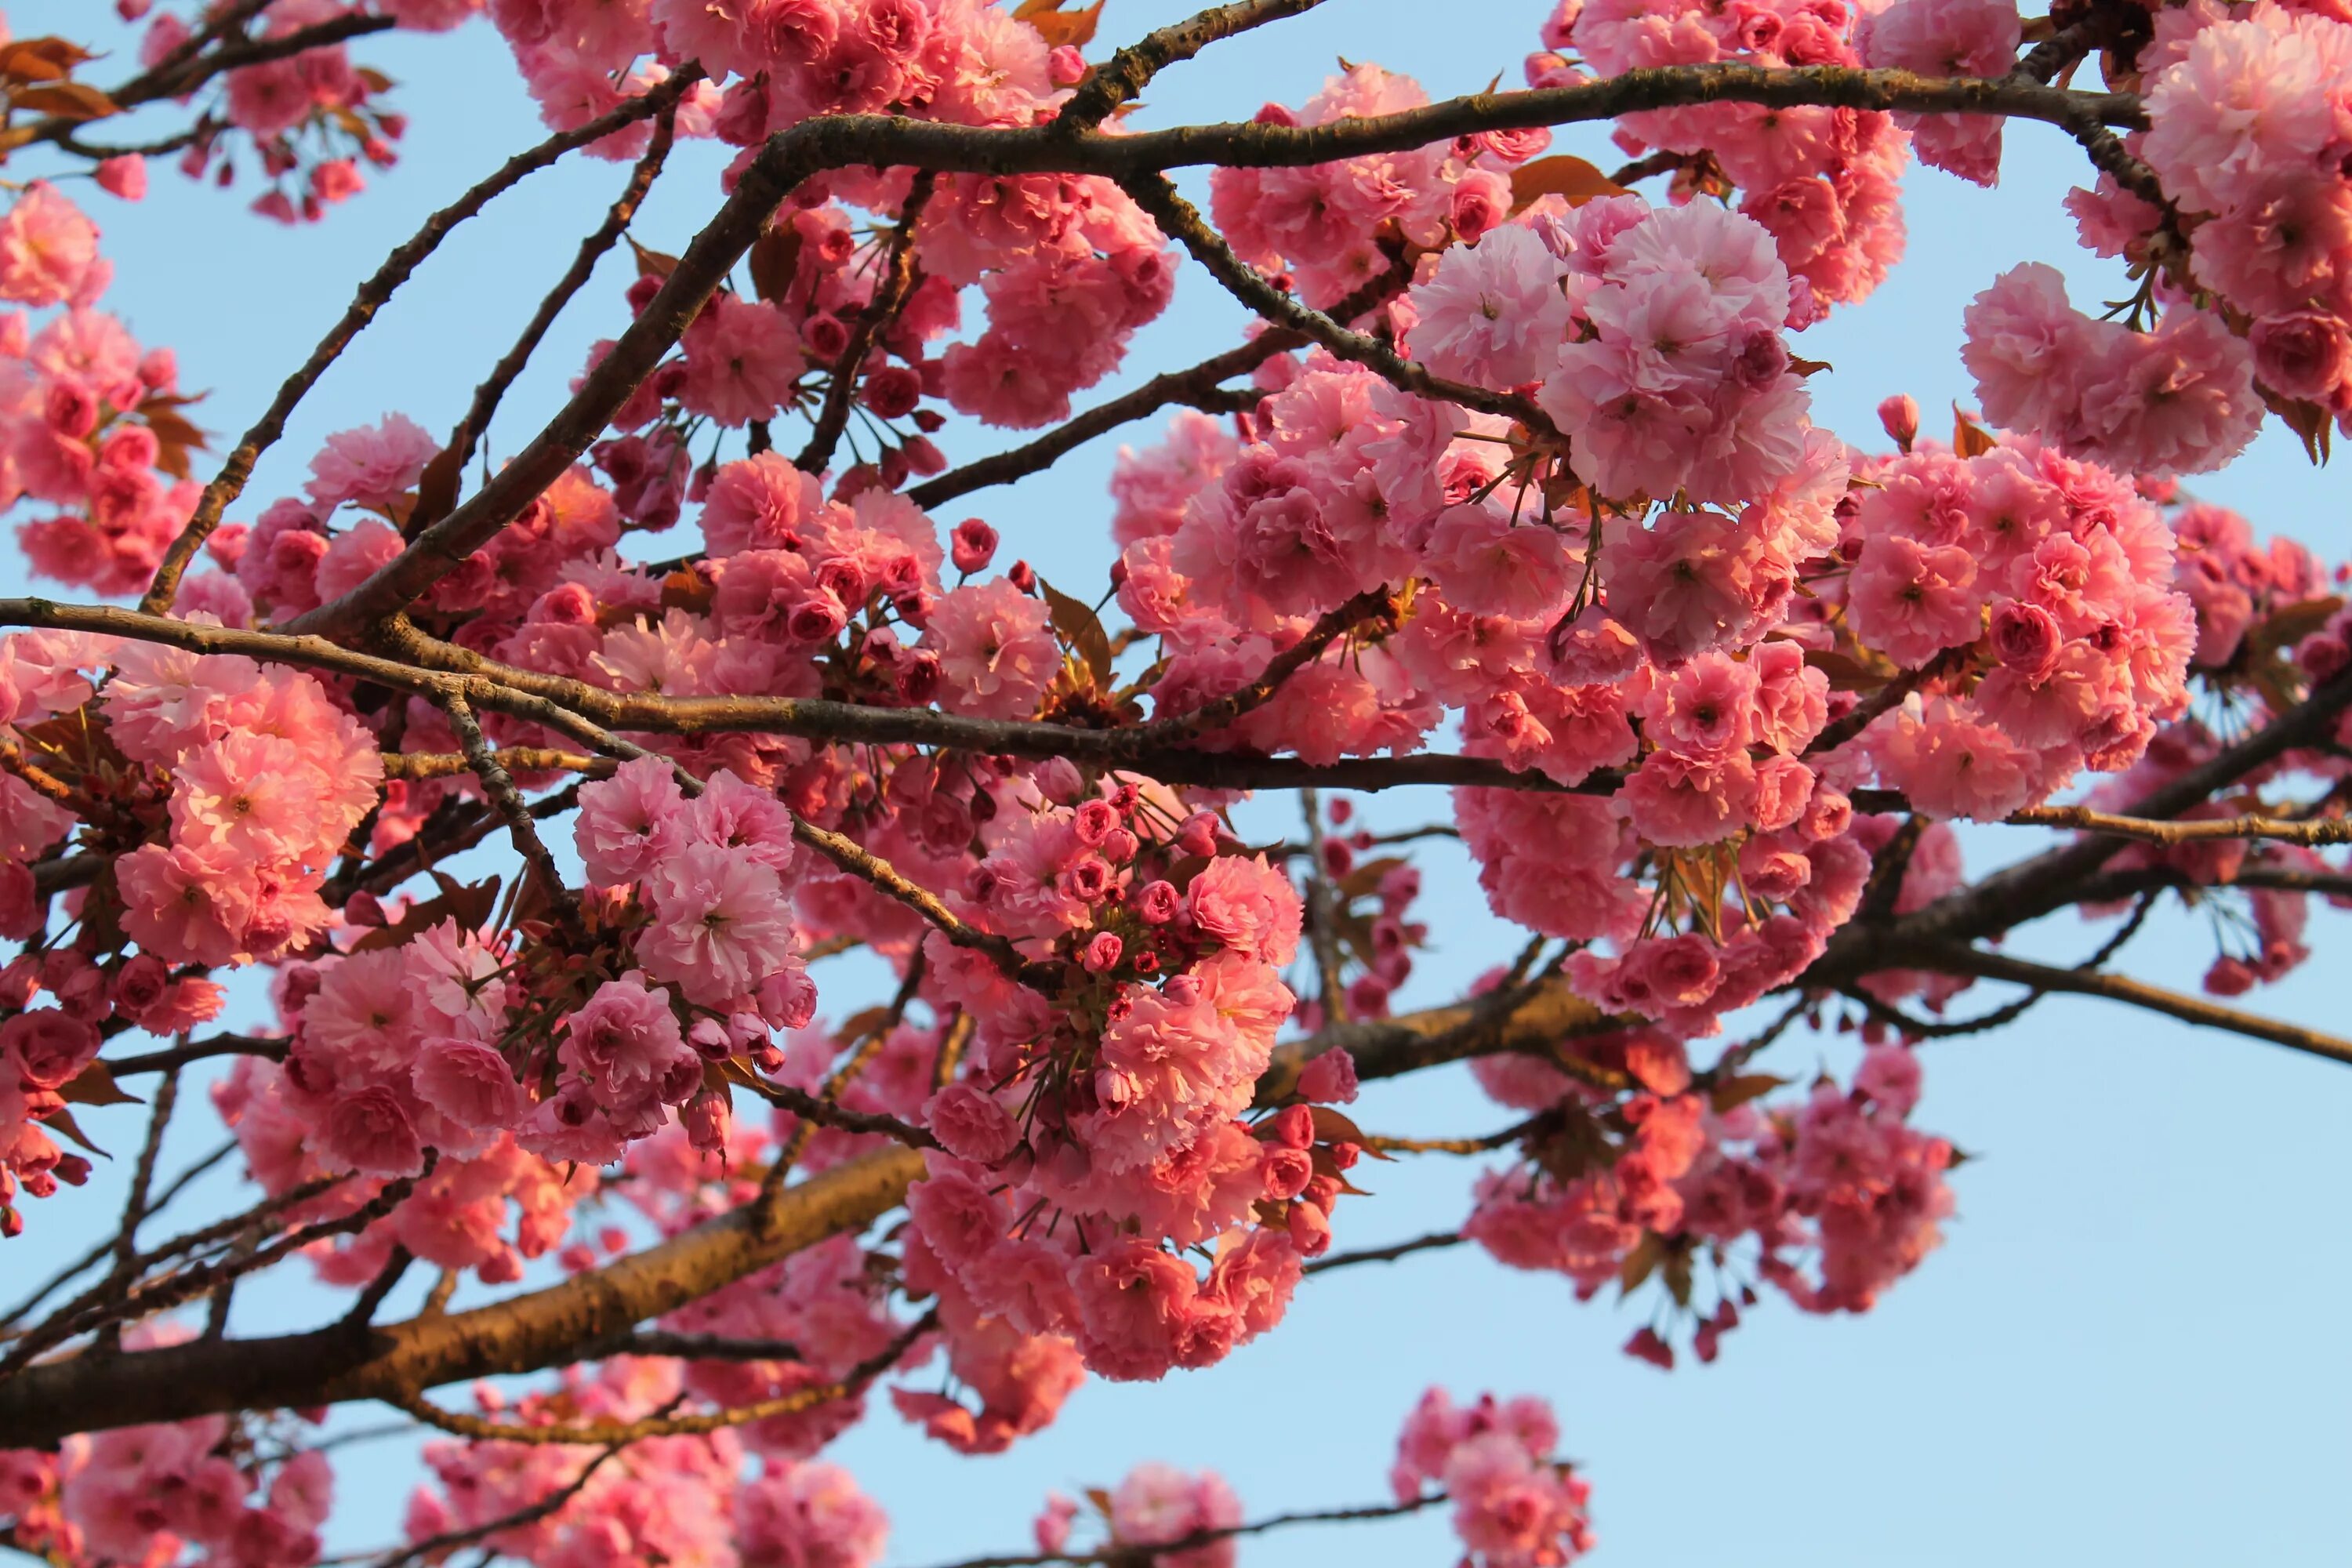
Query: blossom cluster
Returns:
{"type": "Point", "coordinates": [1829, 1200]}
{"type": "Point", "coordinates": [89, 423]}
{"type": "Point", "coordinates": [1824, 181]}
{"type": "Point", "coordinates": [148, 1494]}
{"type": "Point", "coordinates": [1514, 1505]}
{"type": "Point", "coordinates": [311, 117]}
{"type": "Point", "coordinates": [1156, 1505]}
{"type": "Point", "coordinates": [1101, 1137]}
{"type": "Point", "coordinates": [683, 1500]}
{"type": "Point", "coordinates": [1331, 229]}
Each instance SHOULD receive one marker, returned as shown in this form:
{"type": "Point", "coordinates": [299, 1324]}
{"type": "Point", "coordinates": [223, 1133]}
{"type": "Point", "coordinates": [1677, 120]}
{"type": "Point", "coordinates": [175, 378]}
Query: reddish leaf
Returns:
{"type": "Point", "coordinates": [95, 1085]}
{"type": "Point", "coordinates": [1335, 1127]}
{"type": "Point", "coordinates": [1082, 629]}
{"type": "Point", "coordinates": [1734, 1092]}
{"type": "Point", "coordinates": [469, 904]}
{"type": "Point", "coordinates": [436, 490]}
{"type": "Point", "coordinates": [1572, 178]}
{"type": "Point", "coordinates": [1642, 1262]}
{"type": "Point", "coordinates": [1969, 439]}
{"type": "Point", "coordinates": [775, 261]}
{"type": "Point", "coordinates": [63, 1122]}
{"type": "Point", "coordinates": [1059, 28]}
{"type": "Point", "coordinates": [653, 263]}
{"type": "Point", "coordinates": [66, 101]}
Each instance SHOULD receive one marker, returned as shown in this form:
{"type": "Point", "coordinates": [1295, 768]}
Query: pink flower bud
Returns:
{"type": "Point", "coordinates": [1103, 950]}
{"type": "Point", "coordinates": [1900, 416]}
{"type": "Point", "coordinates": [972, 545]}
{"type": "Point", "coordinates": [1159, 902]}
{"type": "Point", "coordinates": [123, 176]}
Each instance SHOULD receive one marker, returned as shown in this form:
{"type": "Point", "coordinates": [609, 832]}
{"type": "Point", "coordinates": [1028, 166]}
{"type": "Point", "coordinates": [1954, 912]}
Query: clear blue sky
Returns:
{"type": "Point", "coordinates": [2124, 1352]}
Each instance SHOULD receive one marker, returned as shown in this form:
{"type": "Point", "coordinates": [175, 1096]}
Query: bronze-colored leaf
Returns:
{"type": "Point", "coordinates": [653, 263]}
{"type": "Point", "coordinates": [66, 101]}
{"type": "Point", "coordinates": [1678, 1276]}
{"type": "Point", "coordinates": [63, 1122]}
{"type": "Point", "coordinates": [1969, 439]}
{"type": "Point", "coordinates": [1060, 27]}
{"type": "Point", "coordinates": [1642, 1262]}
{"type": "Point", "coordinates": [775, 261]}
{"type": "Point", "coordinates": [467, 903]}
{"type": "Point", "coordinates": [1337, 1127]}
{"type": "Point", "coordinates": [1845, 673]}
{"type": "Point", "coordinates": [436, 490]}
{"type": "Point", "coordinates": [688, 590]}
{"type": "Point", "coordinates": [1364, 879]}
{"type": "Point", "coordinates": [95, 1085]}
{"type": "Point", "coordinates": [1734, 1092]}
{"type": "Point", "coordinates": [1082, 629]}
{"type": "Point", "coordinates": [1570, 178]}
{"type": "Point", "coordinates": [41, 59]}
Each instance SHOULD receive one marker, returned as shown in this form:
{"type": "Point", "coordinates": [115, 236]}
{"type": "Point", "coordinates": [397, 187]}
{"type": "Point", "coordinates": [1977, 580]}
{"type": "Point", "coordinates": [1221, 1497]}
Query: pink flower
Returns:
{"type": "Point", "coordinates": [1948, 766]}
{"type": "Point", "coordinates": [1248, 906]}
{"type": "Point", "coordinates": [1158, 1504]}
{"type": "Point", "coordinates": [45, 1048]}
{"type": "Point", "coordinates": [741, 359]}
{"type": "Point", "coordinates": [47, 248]}
{"type": "Point", "coordinates": [469, 1083]}
{"type": "Point", "coordinates": [369, 1131]}
{"type": "Point", "coordinates": [804, 1515]}
{"type": "Point", "coordinates": [971, 1124]}
{"type": "Point", "coordinates": [373, 466]}
{"type": "Point", "coordinates": [251, 798]}
{"type": "Point", "coordinates": [2025, 345]}
{"type": "Point", "coordinates": [760, 503]}
{"type": "Point", "coordinates": [719, 925]}
{"type": "Point", "coordinates": [1947, 39]}
{"type": "Point", "coordinates": [1329, 1078]}
{"type": "Point", "coordinates": [997, 654]}
{"type": "Point", "coordinates": [2304, 355]}
{"type": "Point", "coordinates": [1911, 602]}
{"type": "Point", "coordinates": [184, 908]}
{"type": "Point", "coordinates": [625, 1042]}
{"type": "Point", "coordinates": [621, 818]}
{"type": "Point", "coordinates": [1493, 313]}
{"type": "Point", "coordinates": [1490, 565]}
{"type": "Point", "coordinates": [1133, 1302]}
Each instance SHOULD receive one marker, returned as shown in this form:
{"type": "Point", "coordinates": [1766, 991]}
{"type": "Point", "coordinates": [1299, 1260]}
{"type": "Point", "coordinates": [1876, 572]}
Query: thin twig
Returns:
{"type": "Point", "coordinates": [890, 292]}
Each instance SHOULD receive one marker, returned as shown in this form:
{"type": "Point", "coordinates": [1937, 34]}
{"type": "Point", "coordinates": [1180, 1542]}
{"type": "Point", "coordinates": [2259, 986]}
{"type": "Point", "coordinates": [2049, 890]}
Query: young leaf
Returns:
{"type": "Point", "coordinates": [1570, 178]}
{"type": "Point", "coordinates": [1083, 631]}
{"type": "Point", "coordinates": [1059, 28]}
{"type": "Point", "coordinates": [95, 1085]}
{"type": "Point", "coordinates": [1734, 1092]}
{"type": "Point", "coordinates": [63, 1122]}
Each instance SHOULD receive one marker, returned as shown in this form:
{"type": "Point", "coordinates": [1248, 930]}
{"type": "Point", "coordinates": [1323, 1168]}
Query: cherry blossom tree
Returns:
{"type": "Point", "coordinates": [1511, 490]}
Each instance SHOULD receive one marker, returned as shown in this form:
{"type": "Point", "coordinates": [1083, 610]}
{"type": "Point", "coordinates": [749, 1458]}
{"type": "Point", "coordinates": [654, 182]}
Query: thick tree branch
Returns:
{"type": "Point", "coordinates": [597, 1312]}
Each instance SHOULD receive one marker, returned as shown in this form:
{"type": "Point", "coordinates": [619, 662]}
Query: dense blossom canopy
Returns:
{"type": "Point", "coordinates": [1515, 490]}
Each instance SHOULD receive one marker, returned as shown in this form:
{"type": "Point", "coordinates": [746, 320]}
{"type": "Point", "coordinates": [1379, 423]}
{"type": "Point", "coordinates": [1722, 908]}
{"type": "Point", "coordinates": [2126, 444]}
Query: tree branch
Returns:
{"type": "Point", "coordinates": [890, 291]}
{"type": "Point", "coordinates": [230, 482]}
{"type": "Point", "coordinates": [1982, 966]}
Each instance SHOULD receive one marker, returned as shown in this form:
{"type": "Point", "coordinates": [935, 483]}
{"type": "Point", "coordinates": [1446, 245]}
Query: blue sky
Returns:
{"type": "Point", "coordinates": [2124, 1352]}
